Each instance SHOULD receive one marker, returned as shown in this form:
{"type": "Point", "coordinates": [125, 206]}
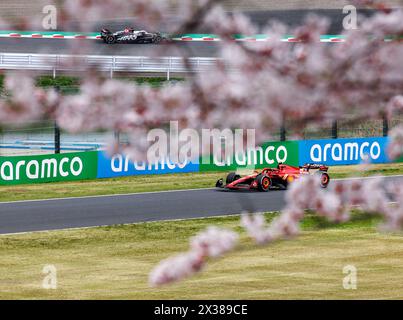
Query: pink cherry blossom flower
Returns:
{"type": "Point", "coordinates": [395, 147]}
{"type": "Point", "coordinates": [211, 243]}
{"type": "Point", "coordinates": [177, 268]}
{"type": "Point", "coordinates": [214, 242]}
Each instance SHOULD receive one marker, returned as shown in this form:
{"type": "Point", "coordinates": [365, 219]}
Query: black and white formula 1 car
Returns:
{"type": "Point", "coordinates": [129, 35]}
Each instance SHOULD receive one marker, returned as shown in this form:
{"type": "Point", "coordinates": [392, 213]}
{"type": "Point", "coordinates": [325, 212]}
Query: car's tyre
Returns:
{"type": "Point", "coordinates": [110, 39]}
{"type": "Point", "coordinates": [324, 179]}
{"type": "Point", "coordinates": [219, 183]}
{"type": "Point", "coordinates": [231, 177]}
{"type": "Point", "coordinates": [157, 39]}
{"type": "Point", "coordinates": [290, 179]}
{"type": "Point", "coordinates": [263, 183]}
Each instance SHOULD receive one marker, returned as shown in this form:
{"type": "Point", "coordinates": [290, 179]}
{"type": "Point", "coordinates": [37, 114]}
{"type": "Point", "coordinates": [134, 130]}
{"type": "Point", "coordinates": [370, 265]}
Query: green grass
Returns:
{"type": "Point", "coordinates": [114, 263]}
{"type": "Point", "coordinates": [373, 169]}
{"type": "Point", "coordinates": [71, 85]}
{"type": "Point", "coordinates": [67, 81]}
{"type": "Point", "coordinates": [154, 183]}
{"type": "Point", "coordinates": [61, 81]}
{"type": "Point", "coordinates": [109, 186]}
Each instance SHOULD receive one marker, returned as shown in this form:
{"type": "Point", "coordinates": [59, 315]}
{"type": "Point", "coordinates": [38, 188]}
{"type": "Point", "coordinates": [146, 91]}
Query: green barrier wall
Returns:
{"type": "Point", "coordinates": [48, 168]}
{"type": "Point", "coordinates": [85, 165]}
{"type": "Point", "coordinates": [266, 156]}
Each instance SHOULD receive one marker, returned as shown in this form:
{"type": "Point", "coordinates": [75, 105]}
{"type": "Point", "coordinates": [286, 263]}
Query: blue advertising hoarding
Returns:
{"type": "Point", "coordinates": [121, 166]}
{"type": "Point", "coordinates": [343, 151]}
{"type": "Point", "coordinates": [331, 152]}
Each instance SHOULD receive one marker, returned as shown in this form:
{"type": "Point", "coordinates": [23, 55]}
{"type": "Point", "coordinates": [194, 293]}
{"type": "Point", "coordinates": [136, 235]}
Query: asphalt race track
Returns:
{"type": "Point", "coordinates": [199, 49]}
{"type": "Point", "coordinates": [85, 212]}
{"type": "Point", "coordinates": [110, 210]}
{"type": "Point", "coordinates": [97, 47]}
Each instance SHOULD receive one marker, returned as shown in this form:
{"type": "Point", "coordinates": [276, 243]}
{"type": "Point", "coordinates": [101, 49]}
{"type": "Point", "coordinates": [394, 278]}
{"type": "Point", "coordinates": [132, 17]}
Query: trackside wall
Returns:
{"type": "Point", "coordinates": [48, 168]}
{"type": "Point", "coordinates": [336, 152]}
{"type": "Point", "coordinates": [97, 165]}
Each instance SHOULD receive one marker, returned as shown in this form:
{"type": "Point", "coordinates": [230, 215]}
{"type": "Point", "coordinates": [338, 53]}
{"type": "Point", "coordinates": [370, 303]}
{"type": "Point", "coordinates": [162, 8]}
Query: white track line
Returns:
{"type": "Point", "coordinates": [134, 223]}
{"type": "Point", "coordinates": [126, 224]}
{"type": "Point", "coordinates": [369, 177]}
{"type": "Point", "coordinates": [183, 39]}
{"type": "Point", "coordinates": [106, 195]}
{"type": "Point", "coordinates": [167, 191]}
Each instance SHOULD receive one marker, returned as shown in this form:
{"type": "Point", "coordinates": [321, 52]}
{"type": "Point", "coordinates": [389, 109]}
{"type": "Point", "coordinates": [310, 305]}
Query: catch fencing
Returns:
{"type": "Point", "coordinates": [44, 137]}
{"type": "Point", "coordinates": [125, 64]}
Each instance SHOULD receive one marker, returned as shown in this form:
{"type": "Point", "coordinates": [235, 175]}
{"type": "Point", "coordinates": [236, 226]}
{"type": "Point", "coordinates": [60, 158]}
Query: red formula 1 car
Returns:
{"type": "Point", "coordinates": [273, 178]}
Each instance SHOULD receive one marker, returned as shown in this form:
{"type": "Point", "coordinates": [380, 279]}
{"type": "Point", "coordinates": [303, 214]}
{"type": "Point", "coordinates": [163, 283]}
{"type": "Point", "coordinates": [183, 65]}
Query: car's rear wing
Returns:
{"type": "Point", "coordinates": [315, 166]}
{"type": "Point", "coordinates": [105, 31]}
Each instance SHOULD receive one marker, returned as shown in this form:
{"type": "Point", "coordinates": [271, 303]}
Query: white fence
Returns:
{"type": "Point", "coordinates": [65, 63]}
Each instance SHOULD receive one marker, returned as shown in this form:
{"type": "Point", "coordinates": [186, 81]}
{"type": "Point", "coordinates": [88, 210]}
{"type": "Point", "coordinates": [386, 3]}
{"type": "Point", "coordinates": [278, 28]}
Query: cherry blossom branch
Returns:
{"type": "Point", "coordinates": [211, 243]}
{"type": "Point", "coordinates": [253, 86]}
{"type": "Point", "coordinates": [305, 194]}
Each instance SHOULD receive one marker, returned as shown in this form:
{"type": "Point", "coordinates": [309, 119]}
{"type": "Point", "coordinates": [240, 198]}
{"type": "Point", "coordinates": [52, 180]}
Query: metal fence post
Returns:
{"type": "Point", "coordinates": [283, 132]}
{"type": "Point", "coordinates": [57, 131]}
{"type": "Point", "coordinates": [113, 66]}
{"type": "Point", "coordinates": [334, 130]}
{"type": "Point", "coordinates": [385, 126]}
{"type": "Point", "coordinates": [56, 66]}
{"type": "Point", "coordinates": [57, 138]}
{"type": "Point", "coordinates": [1, 138]}
{"type": "Point", "coordinates": [116, 134]}
{"type": "Point", "coordinates": [169, 69]}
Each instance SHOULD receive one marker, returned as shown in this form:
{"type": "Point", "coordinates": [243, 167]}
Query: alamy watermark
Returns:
{"type": "Point", "coordinates": [350, 21]}
{"type": "Point", "coordinates": [49, 282]}
{"type": "Point", "coordinates": [350, 280]}
{"type": "Point", "coordinates": [49, 21]}
{"type": "Point", "coordinates": [221, 147]}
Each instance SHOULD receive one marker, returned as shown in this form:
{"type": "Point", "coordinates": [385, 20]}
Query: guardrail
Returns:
{"type": "Point", "coordinates": [128, 64]}
{"type": "Point", "coordinates": [96, 165]}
